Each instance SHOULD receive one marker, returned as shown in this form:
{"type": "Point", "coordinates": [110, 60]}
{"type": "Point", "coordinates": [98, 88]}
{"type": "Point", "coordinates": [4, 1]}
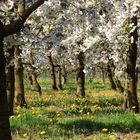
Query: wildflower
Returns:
{"type": "Point", "coordinates": [95, 138]}
{"type": "Point", "coordinates": [112, 137]}
{"type": "Point", "coordinates": [18, 116]}
{"type": "Point", "coordinates": [12, 117]}
{"type": "Point", "coordinates": [88, 113]}
{"type": "Point", "coordinates": [33, 112]}
{"type": "Point", "coordinates": [58, 115]}
{"type": "Point", "coordinates": [32, 108]}
{"type": "Point", "coordinates": [95, 106]}
{"type": "Point", "coordinates": [25, 134]}
{"type": "Point", "coordinates": [133, 107]}
{"type": "Point", "coordinates": [104, 130]}
{"type": "Point", "coordinates": [18, 107]}
{"type": "Point", "coordinates": [42, 132]}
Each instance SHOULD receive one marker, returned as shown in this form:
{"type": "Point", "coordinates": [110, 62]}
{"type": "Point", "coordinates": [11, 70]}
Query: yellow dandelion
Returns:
{"type": "Point", "coordinates": [133, 107]}
{"type": "Point", "coordinates": [33, 112]}
{"type": "Point", "coordinates": [80, 111]}
{"type": "Point", "coordinates": [112, 137]}
{"type": "Point", "coordinates": [25, 134]}
{"type": "Point", "coordinates": [104, 130]}
{"type": "Point", "coordinates": [18, 116]}
{"type": "Point", "coordinates": [42, 132]}
{"type": "Point", "coordinates": [58, 115]}
{"type": "Point", "coordinates": [88, 113]}
{"type": "Point", "coordinates": [12, 117]}
{"type": "Point", "coordinates": [18, 107]}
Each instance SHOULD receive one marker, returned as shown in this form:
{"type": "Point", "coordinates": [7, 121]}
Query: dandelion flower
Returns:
{"type": "Point", "coordinates": [18, 116]}
{"type": "Point", "coordinates": [104, 130]}
{"type": "Point", "coordinates": [12, 117]}
{"type": "Point", "coordinates": [133, 107]}
{"type": "Point", "coordinates": [112, 137]}
{"type": "Point", "coordinates": [18, 107]}
{"type": "Point", "coordinates": [42, 132]}
{"type": "Point", "coordinates": [25, 134]}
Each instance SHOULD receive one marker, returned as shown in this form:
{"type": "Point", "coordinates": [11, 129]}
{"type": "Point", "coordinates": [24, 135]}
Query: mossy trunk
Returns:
{"type": "Point", "coordinates": [80, 75]}
{"type": "Point", "coordinates": [5, 133]}
{"type": "Point", "coordinates": [130, 94]}
{"type": "Point", "coordinates": [19, 79]}
{"type": "Point", "coordinates": [10, 79]}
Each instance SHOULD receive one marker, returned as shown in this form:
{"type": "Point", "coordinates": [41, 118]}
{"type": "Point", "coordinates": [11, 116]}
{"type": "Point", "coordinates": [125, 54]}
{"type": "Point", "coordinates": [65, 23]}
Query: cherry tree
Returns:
{"type": "Point", "coordinates": [8, 28]}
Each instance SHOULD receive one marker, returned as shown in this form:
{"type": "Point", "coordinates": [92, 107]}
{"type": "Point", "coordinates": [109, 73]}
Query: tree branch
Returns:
{"type": "Point", "coordinates": [16, 26]}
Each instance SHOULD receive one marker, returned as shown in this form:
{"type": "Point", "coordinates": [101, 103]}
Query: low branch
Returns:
{"type": "Point", "coordinates": [16, 26]}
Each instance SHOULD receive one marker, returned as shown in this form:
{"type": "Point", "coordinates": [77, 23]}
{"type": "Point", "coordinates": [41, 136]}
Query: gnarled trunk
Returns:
{"type": "Point", "coordinates": [130, 94]}
{"type": "Point", "coordinates": [10, 79]}
{"type": "Point", "coordinates": [6, 30]}
{"type": "Point", "coordinates": [80, 75]}
{"type": "Point", "coordinates": [19, 80]}
{"type": "Point", "coordinates": [5, 133]}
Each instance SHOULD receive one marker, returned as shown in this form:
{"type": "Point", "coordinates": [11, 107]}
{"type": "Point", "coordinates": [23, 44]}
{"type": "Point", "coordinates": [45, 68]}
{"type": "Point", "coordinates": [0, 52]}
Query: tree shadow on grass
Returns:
{"type": "Point", "coordinates": [89, 126]}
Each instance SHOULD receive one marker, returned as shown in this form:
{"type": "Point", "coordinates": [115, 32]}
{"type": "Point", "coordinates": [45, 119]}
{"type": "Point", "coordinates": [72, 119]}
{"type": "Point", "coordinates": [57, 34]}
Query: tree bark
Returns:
{"type": "Point", "coordinates": [110, 76]}
{"type": "Point", "coordinates": [54, 87]}
{"type": "Point", "coordinates": [36, 85]}
{"type": "Point", "coordinates": [119, 85]}
{"type": "Point", "coordinates": [60, 78]}
{"type": "Point", "coordinates": [33, 80]}
{"type": "Point", "coordinates": [5, 133]}
{"type": "Point", "coordinates": [130, 94]}
{"type": "Point", "coordinates": [80, 75]}
{"type": "Point", "coordinates": [103, 75]}
{"type": "Point", "coordinates": [19, 80]}
{"type": "Point", "coordinates": [6, 30]}
{"type": "Point", "coordinates": [64, 75]}
{"type": "Point", "coordinates": [10, 79]}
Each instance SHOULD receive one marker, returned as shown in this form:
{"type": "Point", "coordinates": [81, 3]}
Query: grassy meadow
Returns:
{"type": "Point", "coordinates": [60, 115]}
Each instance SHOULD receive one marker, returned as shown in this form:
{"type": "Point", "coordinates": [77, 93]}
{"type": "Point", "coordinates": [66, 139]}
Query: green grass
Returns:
{"type": "Point", "coordinates": [60, 115]}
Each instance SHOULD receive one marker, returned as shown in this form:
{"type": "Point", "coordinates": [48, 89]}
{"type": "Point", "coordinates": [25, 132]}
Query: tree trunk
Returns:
{"type": "Point", "coordinates": [54, 87]}
{"type": "Point", "coordinates": [10, 80]}
{"type": "Point", "coordinates": [19, 80]}
{"type": "Point", "coordinates": [33, 78]}
{"type": "Point", "coordinates": [60, 78]}
{"type": "Point", "coordinates": [30, 79]}
{"type": "Point", "coordinates": [103, 75]}
{"type": "Point", "coordinates": [130, 95]}
{"type": "Point", "coordinates": [6, 30]}
{"type": "Point", "coordinates": [119, 85]}
{"type": "Point", "coordinates": [36, 85]}
{"type": "Point", "coordinates": [80, 75]}
{"type": "Point", "coordinates": [64, 75]}
{"type": "Point", "coordinates": [5, 133]}
{"type": "Point", "coordinates": [110, 77]}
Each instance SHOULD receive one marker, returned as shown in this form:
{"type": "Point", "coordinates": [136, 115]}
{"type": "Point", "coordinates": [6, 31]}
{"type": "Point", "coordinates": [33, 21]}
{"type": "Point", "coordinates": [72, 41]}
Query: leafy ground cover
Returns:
{"type": "Point", "coordinates": [60, 115]}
